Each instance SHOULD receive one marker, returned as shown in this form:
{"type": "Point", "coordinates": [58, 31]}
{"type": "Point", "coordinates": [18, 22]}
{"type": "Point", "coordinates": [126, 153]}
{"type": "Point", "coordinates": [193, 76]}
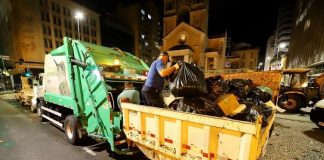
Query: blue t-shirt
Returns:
{"type": "Point", "coordinates": [154, 79]}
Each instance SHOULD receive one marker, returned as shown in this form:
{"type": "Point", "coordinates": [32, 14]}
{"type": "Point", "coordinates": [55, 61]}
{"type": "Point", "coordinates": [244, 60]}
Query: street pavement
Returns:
{"type": "Point", "coordinates": [295, 137]}
{"type": "Point", "coordinates": [23, 137]}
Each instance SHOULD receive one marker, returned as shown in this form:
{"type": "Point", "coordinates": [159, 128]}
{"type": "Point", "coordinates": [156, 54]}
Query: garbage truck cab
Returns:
{"type": "Point", "coordinates": [81, 85]}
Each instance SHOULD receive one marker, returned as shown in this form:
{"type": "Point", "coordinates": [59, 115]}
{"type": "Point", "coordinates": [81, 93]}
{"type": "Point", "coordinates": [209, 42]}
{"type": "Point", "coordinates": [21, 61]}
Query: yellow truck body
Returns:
{"type": "Point", "coordinates": [164, 134]}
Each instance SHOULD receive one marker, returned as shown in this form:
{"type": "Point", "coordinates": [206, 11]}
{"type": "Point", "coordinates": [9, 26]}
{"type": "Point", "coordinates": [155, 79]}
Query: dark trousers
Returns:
{"type": "Point", "coordinates": [152, 97]}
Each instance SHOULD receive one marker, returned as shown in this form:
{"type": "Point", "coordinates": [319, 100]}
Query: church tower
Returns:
{"type": "Point", "coordinates": [192, 12]}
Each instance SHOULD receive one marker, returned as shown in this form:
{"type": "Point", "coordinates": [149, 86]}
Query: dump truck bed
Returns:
{"type": "Point", "coordinates": [169, 134]}
{"type": "Point", "coordinates": [162, 133]}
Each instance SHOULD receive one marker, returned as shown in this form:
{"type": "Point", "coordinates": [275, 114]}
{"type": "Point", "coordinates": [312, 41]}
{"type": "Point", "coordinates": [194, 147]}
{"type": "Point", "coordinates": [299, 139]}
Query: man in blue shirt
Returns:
{"type": "Point", "coordinates": [154, 83]}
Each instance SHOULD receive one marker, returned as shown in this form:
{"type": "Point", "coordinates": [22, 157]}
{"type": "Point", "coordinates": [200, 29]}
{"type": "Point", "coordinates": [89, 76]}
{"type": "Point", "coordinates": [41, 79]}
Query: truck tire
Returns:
{"type": "Point", "coordinates": [33, 108]}
{"type": "Point", "coordinates": [40, 112]}
{"type": "Point", "coordinates": [293, 103]}
{"type": "Point", "coordinates": [71, 127]}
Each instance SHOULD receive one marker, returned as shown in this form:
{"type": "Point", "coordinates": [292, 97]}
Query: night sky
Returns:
{"type": "Point", "coordinates": [250, 21]}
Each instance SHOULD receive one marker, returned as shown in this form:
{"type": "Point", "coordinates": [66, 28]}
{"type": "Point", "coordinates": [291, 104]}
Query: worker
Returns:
{"type": "Point", "coordinates": [129, 94]}
{"type": "Point", "coordinates": [152, 89]}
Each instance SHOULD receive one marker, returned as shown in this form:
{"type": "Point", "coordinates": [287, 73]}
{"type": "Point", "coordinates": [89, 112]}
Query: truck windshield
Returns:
{"type": "Point", "coordinates": [294, 80]}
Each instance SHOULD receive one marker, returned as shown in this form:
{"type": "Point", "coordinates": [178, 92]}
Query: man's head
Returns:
{"type": "Point", "coordinates": [128, 85]}
{"type": "Point", "coordinates": [164, 56]}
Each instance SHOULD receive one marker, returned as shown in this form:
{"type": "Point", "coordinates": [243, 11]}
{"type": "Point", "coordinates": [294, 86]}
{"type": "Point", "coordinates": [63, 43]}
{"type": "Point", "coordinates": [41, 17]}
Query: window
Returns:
{"type": "Point", "coordinates": [93, 33]}
{"type": "Point", "coordinates": [43, 3]}
{"type": "Point", "coordinates": [53, 6]}
{"type": "Point", "coordinates": [69, 25]}
{"type": "Point", "coordinates": [242, 65]}
{"type": "Point", "coordinates": [58, 10]}
{"type": "Point", "coordinates": [58, 20]}
{"type": "Point", "coordinates": [42, 16]}
{"type": "Point", "coordinates": [252, 55]}
{"type": "Point", "coordinates": [50, 43]}
{"type": "Point", "coordinates": [57, 43]}
{"type": "Point", "coordinates": [251, 64]}
{"type": "Point", "coordinates": [94, 41]}
{"type": "Point", "coordinates": [48, 31]}
{"type": "Point", "coordinates": [75, 27]}
{"type": "Point", "coordinates": [47, 19]}
{"type": "Point", "coordinates": [149, 16]}
{"type": "Point", "coordinates": [93, 22]}
{"type": "Point", "coordinates": [45, 43]}
{"type": "Point", "coordinates": [65, 23]}
{"type": "Point", "coordinates": [44, 29]}
{"type": "Point", "coordinates": [243, 56]}
{"type": "Point", "coordinates": [54, 19]}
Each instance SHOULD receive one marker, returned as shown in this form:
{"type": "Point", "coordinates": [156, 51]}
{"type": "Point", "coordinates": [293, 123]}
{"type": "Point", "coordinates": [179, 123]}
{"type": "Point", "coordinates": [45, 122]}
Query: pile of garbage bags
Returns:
{"type": "Point", "coordinates": [206, 96]}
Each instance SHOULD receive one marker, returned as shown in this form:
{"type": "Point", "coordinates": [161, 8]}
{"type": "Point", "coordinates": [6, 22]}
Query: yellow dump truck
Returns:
{"type": "Point", "coordinates": [168, 134]}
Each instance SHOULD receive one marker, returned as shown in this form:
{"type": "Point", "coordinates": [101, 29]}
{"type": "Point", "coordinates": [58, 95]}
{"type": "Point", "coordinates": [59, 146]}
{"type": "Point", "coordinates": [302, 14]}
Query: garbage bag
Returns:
{"type": "Point", "coordinates": [189, 82]}
{"type": "Point", "coordinates": [257, 95]}
{"type": "Point", "coordinates": [265, 111]}
{"type": "Point", "coordinates": [186, 105]}
{"type": "Point", "coordinates": [239, 87]}
{"type": "Point", "coordinates": [248, 114]}
{"type": "Point", "coordinates": [196, 105]}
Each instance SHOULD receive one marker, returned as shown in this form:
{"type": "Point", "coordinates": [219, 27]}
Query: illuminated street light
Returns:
{"type": "Point", "coordinates": [78, 16]}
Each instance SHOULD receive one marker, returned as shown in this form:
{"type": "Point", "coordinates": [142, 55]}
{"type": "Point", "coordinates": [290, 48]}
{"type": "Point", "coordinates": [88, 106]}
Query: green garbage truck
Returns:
{"type": "Point", "coordinates": [81, 83]}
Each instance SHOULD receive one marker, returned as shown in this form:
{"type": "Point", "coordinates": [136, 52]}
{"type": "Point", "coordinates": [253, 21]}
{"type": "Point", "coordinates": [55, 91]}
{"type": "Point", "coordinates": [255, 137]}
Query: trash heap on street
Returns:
{"type": "Point", "coordinates": [236, 99]}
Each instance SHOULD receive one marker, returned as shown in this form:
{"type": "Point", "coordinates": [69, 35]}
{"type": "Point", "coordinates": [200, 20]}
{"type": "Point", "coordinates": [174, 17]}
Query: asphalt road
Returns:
{"type": "Point", "coordinates": [23, 137]}
{"type": "Point", "coordinates": [295, 137]}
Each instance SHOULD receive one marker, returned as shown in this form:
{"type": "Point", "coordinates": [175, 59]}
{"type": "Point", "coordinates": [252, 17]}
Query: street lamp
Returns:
{"type": "Point", "coordinates": [78, 16]}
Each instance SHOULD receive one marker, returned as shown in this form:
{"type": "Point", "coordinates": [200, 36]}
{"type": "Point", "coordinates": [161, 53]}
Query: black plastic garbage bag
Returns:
{"type": "Point", "coordinates": [189, 82]}
{"type": "Point", "coordinates": [248, 114]}
{"type": "Point", "coordinates": [239, 87]}
{"type": "Point", "coordinates": [196, 105]}
{"type": "Point", "coordinates": [186, 105]}
{"type": "Point", "coordinates": [257, 94]}
{"type": "Point", "coordinates": [265, 111]}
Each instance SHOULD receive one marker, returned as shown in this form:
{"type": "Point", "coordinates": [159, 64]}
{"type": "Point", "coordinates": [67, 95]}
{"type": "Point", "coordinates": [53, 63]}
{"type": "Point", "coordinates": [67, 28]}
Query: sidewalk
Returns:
{"type": "Point", "coordinates": [6, 92]}
{"type": "Point", "coordinates": [10, 94]}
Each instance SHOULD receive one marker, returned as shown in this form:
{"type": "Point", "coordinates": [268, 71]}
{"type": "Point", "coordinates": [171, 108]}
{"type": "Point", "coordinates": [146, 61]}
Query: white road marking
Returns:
{"type": "Point", "coordinates": [89, 151]}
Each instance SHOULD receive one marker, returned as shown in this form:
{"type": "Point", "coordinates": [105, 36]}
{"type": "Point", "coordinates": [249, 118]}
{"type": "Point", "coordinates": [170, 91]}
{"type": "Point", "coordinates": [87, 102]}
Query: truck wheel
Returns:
{"type": "Point", "coordinates": [33, 108]}
{"type": "Point", "coordinates": [71, 129]}
{"type": "Point", "coordinates": [292, 104]}
{"type": "Point", "coordinates": [38, 109]}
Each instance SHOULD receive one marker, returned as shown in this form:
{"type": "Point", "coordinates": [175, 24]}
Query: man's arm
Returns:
{"type": "Point", "coordinates": [164, 72]}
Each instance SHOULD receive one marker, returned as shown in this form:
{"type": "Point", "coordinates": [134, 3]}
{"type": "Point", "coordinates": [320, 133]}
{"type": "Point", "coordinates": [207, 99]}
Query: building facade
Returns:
{"type": "Point", "coordinates": [307, 39]}
{"type": "Point", "coordinates": [244, 59]}
{"type": "Point", "coordinates": [283, 31]}
{"type": "Point", "coordinates": [33, 28]}
{"type": "Point", "coordinates": [269, 52]}
{"type": "Point", "coordinates": [185, 28]}
{"type": "Point", "coordinates": [141, 22]}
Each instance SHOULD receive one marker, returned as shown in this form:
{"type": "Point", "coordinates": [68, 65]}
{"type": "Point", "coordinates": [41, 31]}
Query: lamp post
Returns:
{"type": "Point", "coordinates": [78, 16]}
